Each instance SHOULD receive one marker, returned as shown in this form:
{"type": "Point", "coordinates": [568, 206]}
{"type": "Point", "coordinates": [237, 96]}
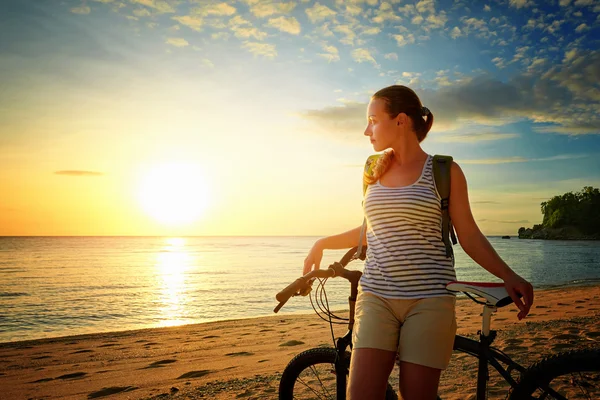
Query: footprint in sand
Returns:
{"type": "Point", "coordinates": [291, 343]}
{"type": "Point", "coordinates": [262, 361]}
{"type": "Point", "coordinates": [565, 336]}
{"type": "Point", "coordinates": [108, 345]}
{"type": "Point", "coordinates": [158, 364]}
{"type": "Point", "coordinates": [211, 337]}
{"type": "Point", "coordinates": [541, 306]}
{"type": "Point", "coordinates": [43, 380]}
{"type": "Point", "coordinates": [195, 374]}
{"type": "Point", "coordinates": [82, 351]}
{"type": "Point", "coordinates": [110, 390]}
{"type": "Point", "coordinates": [40, 357]}
{"type": "Point", "coordinates": [74, 375]}
{"type": "Point", "coordinates": [240, 353]}
{"type": "Point", "coordinates": [267, 330]}
{"type": "Point", "coordinates": [594, 335]}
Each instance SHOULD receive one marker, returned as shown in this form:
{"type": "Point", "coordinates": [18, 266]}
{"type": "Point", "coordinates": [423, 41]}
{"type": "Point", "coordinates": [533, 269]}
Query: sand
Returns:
{"type": "Point", "coordinates": [244, 358]}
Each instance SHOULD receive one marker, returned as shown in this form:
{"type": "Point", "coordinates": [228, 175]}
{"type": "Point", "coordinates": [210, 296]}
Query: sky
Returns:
{"type": "Point", "coordinates": [246, 117]}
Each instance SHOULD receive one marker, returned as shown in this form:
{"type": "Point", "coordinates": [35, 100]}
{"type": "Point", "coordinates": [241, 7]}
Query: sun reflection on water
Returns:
{"type": "Point", "coordinates": [172, 264]}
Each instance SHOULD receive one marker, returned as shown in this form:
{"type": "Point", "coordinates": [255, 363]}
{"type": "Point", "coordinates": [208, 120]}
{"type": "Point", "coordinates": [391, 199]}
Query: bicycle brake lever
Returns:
{"type": "Point", "coordinates": [304, 291]}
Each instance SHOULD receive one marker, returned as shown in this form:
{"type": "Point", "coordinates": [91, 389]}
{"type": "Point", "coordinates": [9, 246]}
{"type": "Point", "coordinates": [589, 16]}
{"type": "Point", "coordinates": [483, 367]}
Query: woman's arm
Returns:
{"type": "Point", "coordinates": [476, 245]}
{"type": "Point", "coordinates": [344, 240]}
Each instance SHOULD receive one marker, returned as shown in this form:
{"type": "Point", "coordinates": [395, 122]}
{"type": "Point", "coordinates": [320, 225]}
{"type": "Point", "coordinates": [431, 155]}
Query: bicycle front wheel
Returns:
{"type": "Point", "coordinates": [311, 375]}
{"type": "Point", "coordinates": [573, 375]}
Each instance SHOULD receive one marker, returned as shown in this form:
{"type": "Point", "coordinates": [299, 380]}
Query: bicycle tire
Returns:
{"type": "Point", "coordinates": [310, 360]}
{"type": "Point", "coordinates": [574, 374]}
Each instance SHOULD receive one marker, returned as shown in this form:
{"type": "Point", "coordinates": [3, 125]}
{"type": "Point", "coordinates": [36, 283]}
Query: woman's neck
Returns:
{"type": "Point", "coordinates": [408, 151]}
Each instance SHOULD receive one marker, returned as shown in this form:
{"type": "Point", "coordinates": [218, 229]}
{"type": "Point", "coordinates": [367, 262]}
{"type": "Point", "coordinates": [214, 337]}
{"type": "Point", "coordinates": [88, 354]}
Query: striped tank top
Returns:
{"type": "Point", "coordinates": [406, 257]}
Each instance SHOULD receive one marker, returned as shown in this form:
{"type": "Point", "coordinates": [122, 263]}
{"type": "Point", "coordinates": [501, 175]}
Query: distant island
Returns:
{"type": "Point", "coordinates": [572, 216]}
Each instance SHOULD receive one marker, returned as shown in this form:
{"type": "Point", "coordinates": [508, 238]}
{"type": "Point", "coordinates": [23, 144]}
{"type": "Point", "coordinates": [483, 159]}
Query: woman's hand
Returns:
{"type": "Point", "coordinates": [313, 258]}
{"type": "Point", "coordinates": [516, 287]}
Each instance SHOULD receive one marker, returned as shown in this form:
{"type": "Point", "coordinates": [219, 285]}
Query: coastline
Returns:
{"type": "Point", "coordinates": [245, 357]}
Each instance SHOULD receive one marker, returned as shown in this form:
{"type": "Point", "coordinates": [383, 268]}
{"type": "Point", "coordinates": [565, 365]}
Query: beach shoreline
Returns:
{"type": "Point", "coordinates": [244, 357]}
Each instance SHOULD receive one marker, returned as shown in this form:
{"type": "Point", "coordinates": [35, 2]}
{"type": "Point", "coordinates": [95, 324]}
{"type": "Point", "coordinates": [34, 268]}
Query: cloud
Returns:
{"type": "Point", "coordinates": [83, 10]}
{"type": "Point", "coordinates": [160, 6]}
{"type": "Point", "coordinates": [363, 55]}
{"type": "Point", "coordinates": [372, 31]}
{"type": "Point", "coordinates": [474, 137]}
{"type": "Point", "coordinates": [319, 13]}
{"type": "Point", "coordinates": [384, 13]}
{"type": "Point", "coordinates": [456, 32]}
{"type": "Point", "coordinates": [243, 29]}
{"type": "Point", "coordinates": [565, 99]}
{"type": "Point", "coordinates": [349, 34]}
{"type": "Point", "coordinates": [403, 40]}
{"type": "Point", "coordinates": [141, 12]}
{"type": "Point", "coordinates": [581, 28]}
{"type": "Point", "coordinates": [220, 9]}
{"type": "Point", "coordinates": [261, 49]}
{"type": "Point", "coordinates": [564, 3]}
{"type": "Point", "coordinates": [285, 24]}
{"type": "Point", "coordinates": [191, 22]}
{"type": "Point", "coordinates": [583, 3]}
{"type": "Point", "coordinates": [391, 56]}
{"type": "Point", "coordinates": [331, 53]}
{"type": "Point", "coordinates": [78, 173]}
{"type": "Point", "coordinates": [177, 42]}
{"type": "Point", "coordinates": [521, 3]}
{"type": "Point", "coordinates": [264, 9]}
{"type": "Point", "coordinates": [487, 8]}
{"type": "Point", "coordinates": [499, 62]}
{"type": "Point", "coordinates": [523, 159]}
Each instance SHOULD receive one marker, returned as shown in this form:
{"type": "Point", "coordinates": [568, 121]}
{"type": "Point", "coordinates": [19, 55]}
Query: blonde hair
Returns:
{"type": "Point", "coordinates": [381, 166]}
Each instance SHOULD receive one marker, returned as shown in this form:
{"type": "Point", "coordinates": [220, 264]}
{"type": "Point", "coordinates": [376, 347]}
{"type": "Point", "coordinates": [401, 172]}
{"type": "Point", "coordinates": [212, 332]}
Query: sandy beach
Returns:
{"type": "Point", "coordinates": [244, 358]}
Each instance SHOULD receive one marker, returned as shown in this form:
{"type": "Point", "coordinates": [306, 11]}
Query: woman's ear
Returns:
{"type": "Point", "coordinates": [401, 119]}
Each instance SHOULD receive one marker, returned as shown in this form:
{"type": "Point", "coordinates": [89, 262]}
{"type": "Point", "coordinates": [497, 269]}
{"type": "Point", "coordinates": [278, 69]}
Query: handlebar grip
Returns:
{"type": "Point", "coordinates": [289, 291]}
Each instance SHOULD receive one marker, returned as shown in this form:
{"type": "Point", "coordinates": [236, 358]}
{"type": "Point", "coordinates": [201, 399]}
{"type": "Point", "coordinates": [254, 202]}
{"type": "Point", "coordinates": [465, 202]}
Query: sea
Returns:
{"type": "Point", "coordinates": [62, 286]}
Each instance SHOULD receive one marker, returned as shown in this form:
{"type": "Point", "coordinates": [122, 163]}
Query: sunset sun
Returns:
{"type": "Point", "coordinates": [174, 194]}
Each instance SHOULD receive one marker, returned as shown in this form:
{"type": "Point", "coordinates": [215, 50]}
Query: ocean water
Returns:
{"type": "Point", "coordinates": [57, 286]}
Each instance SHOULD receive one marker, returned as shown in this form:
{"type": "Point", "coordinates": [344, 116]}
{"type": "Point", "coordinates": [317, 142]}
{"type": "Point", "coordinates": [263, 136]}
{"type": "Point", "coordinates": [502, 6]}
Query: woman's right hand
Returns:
{"type": "Point", "coordinates": [313, 258]}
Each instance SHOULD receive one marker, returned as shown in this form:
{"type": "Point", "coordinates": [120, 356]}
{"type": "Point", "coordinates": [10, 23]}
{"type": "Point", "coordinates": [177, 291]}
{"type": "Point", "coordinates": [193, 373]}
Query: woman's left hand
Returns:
{"type": "Point", "coordinates": [517, 287]}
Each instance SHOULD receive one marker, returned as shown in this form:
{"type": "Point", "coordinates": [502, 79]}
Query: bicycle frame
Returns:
{"type": "Point", "coordinates": [487, 355]}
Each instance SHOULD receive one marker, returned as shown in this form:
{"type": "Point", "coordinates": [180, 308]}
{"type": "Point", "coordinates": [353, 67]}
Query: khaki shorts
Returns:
{"type": "Point", "coordinates": [421, 330]}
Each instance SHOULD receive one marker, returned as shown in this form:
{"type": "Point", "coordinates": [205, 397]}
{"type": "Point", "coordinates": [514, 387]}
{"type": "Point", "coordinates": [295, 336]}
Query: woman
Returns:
{"type": "Point", "coordinates": [403, 305]}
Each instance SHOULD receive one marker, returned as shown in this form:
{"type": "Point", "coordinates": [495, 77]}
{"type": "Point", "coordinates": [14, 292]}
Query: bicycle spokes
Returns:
{"type": "Point", "coordinates": [316, 382]}
{"type": "Point", "coordinates": [579, 385]}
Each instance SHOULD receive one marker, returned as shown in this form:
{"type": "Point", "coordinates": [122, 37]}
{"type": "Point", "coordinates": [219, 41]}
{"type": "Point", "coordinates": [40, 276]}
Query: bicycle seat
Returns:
{"type": "Point", "coordinates": [494, 293]}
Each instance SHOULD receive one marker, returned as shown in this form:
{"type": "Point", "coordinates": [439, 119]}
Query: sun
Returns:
{"type": "Point", "coordinates": [174, 193]}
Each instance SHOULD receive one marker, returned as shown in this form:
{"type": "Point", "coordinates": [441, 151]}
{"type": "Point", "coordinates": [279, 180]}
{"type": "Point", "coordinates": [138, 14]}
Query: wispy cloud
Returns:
{"type": "Point", "coordinates": [363, 55]}
{"type": "Point", "coordinates": [319, 13]}
{"type": "Point", "coordinates": [285, 24]}
{"type": "Point", "coordinates": [78, 173]}
{"type": "Point", "coordinates": [159, 6]}
{"type": "Point", "coordinates": [331, 53]}
{"type": "Point", "coordinates": [177, 42]}
{"type": "Point", "coordinates": [474, 137]}
{"type": "Point", "coordinates": [81, 10]}
{"type": "Point", "coordinates": [266, 50]}
{"type": "Point", "coordinates": [524, 159]}
{"type": "Point", "coordinates": [266, 9]}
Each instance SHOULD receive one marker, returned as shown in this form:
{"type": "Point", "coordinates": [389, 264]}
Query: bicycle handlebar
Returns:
{"type": "Point", "coordinates": [302, 285]}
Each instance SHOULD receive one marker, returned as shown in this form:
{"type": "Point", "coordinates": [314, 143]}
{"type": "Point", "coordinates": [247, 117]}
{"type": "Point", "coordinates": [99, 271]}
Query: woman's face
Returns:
{"type": "Point", "coordinates": [381, 129]}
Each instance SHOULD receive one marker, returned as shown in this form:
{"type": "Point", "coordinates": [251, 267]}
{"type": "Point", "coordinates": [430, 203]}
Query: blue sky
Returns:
{"type": "Point", "coordinates": [279, 90]}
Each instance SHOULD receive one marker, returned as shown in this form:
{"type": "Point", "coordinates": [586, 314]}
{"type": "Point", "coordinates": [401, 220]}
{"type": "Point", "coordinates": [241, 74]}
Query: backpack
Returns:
{"type": "Point", "coordinates": [441, 176]}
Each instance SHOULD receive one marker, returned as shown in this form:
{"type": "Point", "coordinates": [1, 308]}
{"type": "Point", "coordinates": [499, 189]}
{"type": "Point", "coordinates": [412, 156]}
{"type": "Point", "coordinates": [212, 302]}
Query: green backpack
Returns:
{"type": "Point", "coordinates": [441, 175]}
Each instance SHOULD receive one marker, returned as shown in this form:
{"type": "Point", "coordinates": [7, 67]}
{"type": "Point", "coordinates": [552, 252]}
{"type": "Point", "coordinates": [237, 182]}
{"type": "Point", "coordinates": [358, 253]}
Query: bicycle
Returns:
{"type": "Point", "coordinates": [322, 373]}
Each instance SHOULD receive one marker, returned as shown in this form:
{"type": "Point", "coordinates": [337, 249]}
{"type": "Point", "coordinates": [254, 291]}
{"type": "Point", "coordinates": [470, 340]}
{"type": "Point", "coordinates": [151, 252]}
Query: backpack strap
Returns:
{"type": "Point", "coordinates": [369, 166]}
{"type": "Point", "coordinates": [441, 175]}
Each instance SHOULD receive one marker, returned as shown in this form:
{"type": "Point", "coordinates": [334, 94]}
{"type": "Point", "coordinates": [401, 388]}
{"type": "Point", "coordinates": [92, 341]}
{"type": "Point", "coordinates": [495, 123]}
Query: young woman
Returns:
{"type": "Point", "coordinates": [403, 305]}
